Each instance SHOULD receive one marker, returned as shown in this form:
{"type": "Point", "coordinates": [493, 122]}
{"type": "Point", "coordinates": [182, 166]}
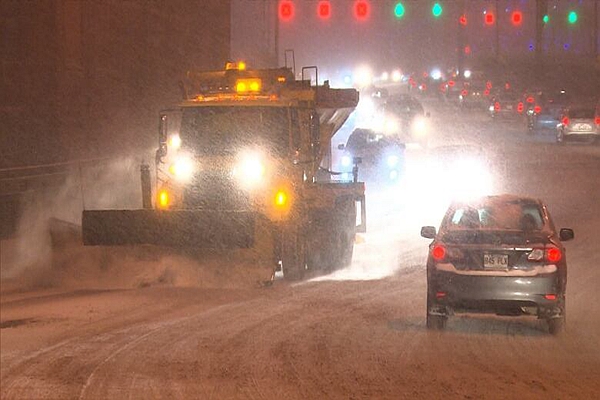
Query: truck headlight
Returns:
{"type": "Point", "coordinates": [182, 168]}
{"type": "Point", "coordinates": [174, 142]}
{"type": "Point", "coordinates": [250, 169]}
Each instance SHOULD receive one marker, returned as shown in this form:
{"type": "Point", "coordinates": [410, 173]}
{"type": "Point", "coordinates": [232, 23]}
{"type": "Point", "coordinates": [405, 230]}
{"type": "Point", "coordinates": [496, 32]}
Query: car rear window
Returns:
{"type": "Point", "coordinates": [504, 216]}
{"type": "Point", "coordinates": [582, 113]}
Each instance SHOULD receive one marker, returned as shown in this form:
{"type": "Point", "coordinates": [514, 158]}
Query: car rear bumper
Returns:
{"type": "Point", "coordinates": [496, 293]}
{"type": "Point", "coordinates": [581, 134]}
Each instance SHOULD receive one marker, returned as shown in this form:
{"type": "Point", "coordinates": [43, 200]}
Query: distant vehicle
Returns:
{"type": "Point", "coordinates": [380, 158]}
{"type": "Point", "coordinates": [498, 254]}
{"type": "Point", "coordinates": [505, 104]}
{"type": "Point", "coordinates": [542, 110]}
{"type": "Point", "coordinates": [579, 123]}
{"type": "Point", "coordinates": [405, 118]}
{"type": "Point", "coordinates": [474, 95]}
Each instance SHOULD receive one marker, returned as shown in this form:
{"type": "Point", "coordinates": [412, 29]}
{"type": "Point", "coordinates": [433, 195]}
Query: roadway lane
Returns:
{"type": "Point", "coordinates": [357, 334]}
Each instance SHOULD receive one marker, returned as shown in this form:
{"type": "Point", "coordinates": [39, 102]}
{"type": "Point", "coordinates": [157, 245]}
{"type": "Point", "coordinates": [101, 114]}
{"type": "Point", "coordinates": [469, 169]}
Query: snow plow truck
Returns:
{"type": "Point", "coordinates": [243, 175]}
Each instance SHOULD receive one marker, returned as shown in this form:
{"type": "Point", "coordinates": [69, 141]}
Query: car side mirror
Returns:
{"type": "Point", "coordinates": [341, 146]}
{"type": "Point", "coordinates": [566, 234]}
{"type": "Point", "coordinates": [428, 232]}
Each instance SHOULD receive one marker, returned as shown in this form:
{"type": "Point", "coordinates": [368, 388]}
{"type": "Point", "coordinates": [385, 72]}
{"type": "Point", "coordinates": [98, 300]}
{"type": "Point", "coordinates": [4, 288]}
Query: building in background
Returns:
{"type": "Point", "coordinates": [86, 78]}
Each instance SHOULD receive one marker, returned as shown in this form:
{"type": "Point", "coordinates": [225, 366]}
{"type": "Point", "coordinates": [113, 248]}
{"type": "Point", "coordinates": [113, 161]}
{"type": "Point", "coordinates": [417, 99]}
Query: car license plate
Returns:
{"type": "Point", "coordinates": [583, 127]}
{"type": "Point", "coordinates": [495, 261]}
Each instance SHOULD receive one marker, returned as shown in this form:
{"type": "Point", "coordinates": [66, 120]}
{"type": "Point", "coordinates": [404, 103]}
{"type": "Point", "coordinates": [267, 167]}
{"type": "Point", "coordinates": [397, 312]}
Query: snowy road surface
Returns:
{"type": "Point", "coordinates": [357, 334]}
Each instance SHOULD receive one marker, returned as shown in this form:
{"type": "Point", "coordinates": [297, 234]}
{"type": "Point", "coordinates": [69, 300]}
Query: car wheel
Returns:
{"type": "Point", "coordinates": [556, 326]}
{"type": "Point", "coordinates": [436, 322]}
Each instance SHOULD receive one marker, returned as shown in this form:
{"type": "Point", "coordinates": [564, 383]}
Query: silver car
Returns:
{"type": "Point", "coordinates": [580, 123]}
{"type": "Point", "coordinates": [499, 254]}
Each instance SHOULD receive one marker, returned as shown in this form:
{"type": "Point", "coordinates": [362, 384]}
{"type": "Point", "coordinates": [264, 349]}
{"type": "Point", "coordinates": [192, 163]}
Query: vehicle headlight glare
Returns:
{"type": "Point", "coordinates": [182, 168]}
{"type": "Point", "coordinates": [346, 161]}
{"type": "Point", "coordinates": [250, 170]}
{"type": "Point", "coordinates": [174, 142]}
{"type": "Point", "coordinates": [392, 161]}
{"type": "Point", "coordinates": [420, 126]}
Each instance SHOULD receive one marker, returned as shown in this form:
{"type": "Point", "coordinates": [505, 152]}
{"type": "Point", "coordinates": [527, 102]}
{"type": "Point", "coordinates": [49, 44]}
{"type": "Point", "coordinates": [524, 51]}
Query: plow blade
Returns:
{"type": "Point", "coordinates": [180, 229]}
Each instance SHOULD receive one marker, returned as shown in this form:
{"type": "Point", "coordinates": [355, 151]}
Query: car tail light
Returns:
{"type": "Point", "coordinates": [440, 295]}
{"type": "Point", "coordinates": [464, 92]}
{"type": "Point", "coordinates": [550, 296]}
{"type": "Point", "coordinates": [597, 120]}
{"type": "Point", "coordinates": [550, 254]}
{"type": "Point", "coordinates": [520, 107]}
{"type": "Point", "coordinates": [530, 99]}
{"type": "Point", "coordinates": [565, 121]}
{"type": "Point", "coordinates": [537, 109]}
{"type": "Point", "coordinates": [438, 252]}
{"type": "Point", "coordinates": [553, 254]}
{"type": "Point", "coordinates": [497, 106]}
{"type": "Point", "coordinates": [486, 92]}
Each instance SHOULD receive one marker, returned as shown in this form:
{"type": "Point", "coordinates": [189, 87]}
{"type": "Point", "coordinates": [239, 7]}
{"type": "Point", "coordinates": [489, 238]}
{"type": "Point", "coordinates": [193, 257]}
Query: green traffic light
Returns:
{"type": "Point", "coordinates": [436, 10]}
{"type": "Point", "coordinates": [572, 18]}
{"type": "Point", "coordinates": [546, 18]}
{"type": "Point", "coordinates": [399, 10]}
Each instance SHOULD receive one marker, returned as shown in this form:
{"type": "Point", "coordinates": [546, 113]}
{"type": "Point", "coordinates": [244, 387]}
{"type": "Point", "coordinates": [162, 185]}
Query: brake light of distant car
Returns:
{"type": "Point", "coordinates": [497, 106]}
{"type": "Point", "coordinates": [530, 99]}
{"type": "Point", "coordinates": [565, 121]}
{"type": "Point", "coordinates": [537, 109]}
{"type": "Point", "coordinates": [438, 252]}
{"type": "Point", "coordinates": [440, 295]}
{"type": "Point", "coordinates": [597, 120]}
{"type": "Point", "coordinates": [550, 296]}
{"type": "Point", "coordinates": [520, 107]}
{"type": "Point", "coordinates": [464, 92]}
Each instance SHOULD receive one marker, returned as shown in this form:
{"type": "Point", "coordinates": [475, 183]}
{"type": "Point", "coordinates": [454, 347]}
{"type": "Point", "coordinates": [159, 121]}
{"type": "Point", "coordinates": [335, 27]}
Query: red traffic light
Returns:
{"type": "Point", "coordinates": [489, 19]}
{"type": "Point", "coordinates": [361, 9]}
{"type": "Point", "coordinates": [516, 17]}
{"type": "Point", "coordinates": [286, 10]}
{"type": "Point", "coordinates": [324, 9]}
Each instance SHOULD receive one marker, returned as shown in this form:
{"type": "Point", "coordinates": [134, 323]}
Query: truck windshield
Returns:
{"type": "Point", "coordinates": [227, 129]}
